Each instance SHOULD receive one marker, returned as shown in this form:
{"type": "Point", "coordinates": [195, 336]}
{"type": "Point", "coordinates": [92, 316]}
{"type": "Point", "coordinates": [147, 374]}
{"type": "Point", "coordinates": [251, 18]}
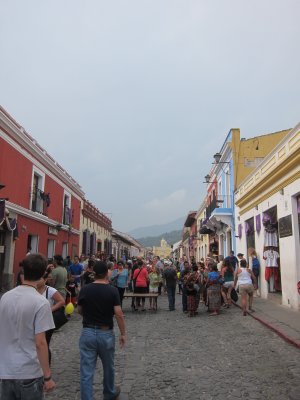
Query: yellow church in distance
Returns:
{"type": "Point", "coordinates": [164, 251]}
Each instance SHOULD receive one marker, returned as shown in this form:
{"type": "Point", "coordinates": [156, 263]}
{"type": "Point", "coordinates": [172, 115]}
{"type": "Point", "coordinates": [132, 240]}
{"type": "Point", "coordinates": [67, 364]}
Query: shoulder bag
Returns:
{"type": "Point", "coordinates": [59, 316]}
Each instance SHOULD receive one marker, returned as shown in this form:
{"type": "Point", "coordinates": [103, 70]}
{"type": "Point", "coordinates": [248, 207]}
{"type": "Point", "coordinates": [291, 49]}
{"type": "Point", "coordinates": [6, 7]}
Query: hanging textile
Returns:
{"type": "Point", "coordinates": [258, 223]}
{"type": "Point", "coordinates": [240, 230]}
{"type": "Point", "coordinates": [271, 238]}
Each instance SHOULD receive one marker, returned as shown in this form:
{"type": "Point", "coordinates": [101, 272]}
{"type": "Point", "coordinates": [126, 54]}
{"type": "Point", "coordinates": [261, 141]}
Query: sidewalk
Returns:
{"type": "Point", "coordinates": [284, 321]}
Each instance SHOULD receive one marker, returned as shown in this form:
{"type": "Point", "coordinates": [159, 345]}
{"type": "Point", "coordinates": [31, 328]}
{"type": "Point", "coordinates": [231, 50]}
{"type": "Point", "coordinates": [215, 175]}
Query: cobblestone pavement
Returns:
{"type": "Point", "coordinates": [171, 356]}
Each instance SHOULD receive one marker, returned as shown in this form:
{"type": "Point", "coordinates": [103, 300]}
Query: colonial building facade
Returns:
{"type": "Point", "coordinates": [96, 230]}
{"type": "Point", "coordinates": [268, 219]}
{"type": "Point", "coordinates": [237, 158]}
{"type": "Point", "coordinates": [40, 202]}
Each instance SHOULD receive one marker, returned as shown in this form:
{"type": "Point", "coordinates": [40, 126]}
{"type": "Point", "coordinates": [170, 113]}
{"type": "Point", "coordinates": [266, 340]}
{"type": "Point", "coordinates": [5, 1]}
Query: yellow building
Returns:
{"type": "Point", "coordinates": [164, 251]}
{"type": "Point", "coordinates": [247, 154]}
{"type": "Point", "coordinates": [96, 229]}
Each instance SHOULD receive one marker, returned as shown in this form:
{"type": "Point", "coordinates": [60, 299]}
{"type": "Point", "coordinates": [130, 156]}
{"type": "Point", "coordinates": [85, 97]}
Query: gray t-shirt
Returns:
{"type": "Point", "coordinates": [23, 314]}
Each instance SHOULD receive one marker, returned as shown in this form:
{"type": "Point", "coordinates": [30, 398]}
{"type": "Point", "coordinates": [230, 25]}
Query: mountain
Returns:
{"type": "Point", "coordinates": [156, 230]}
{"type": "Point", "coordinates": [170, 237]}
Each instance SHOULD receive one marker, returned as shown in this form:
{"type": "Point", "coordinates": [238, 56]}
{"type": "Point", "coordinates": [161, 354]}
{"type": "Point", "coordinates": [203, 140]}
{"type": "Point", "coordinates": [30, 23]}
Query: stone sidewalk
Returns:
{"type": "Point", "coordinates": [284, 321]}
{"type": "Point", "coordinates": [171, 356]}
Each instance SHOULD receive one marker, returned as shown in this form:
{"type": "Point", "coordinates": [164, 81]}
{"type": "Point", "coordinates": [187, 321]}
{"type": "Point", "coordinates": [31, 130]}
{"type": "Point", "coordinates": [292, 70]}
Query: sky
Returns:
{"type": "Point", "coordinates": [134, 97]}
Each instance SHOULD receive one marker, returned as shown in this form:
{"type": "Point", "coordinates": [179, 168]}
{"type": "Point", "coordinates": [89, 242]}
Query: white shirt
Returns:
{"type": "Point", "coordinates": [271, 239]}
{"type": "Point", "coordinates": [271, 257]}
{"type": "Point", "coordinates": [51, 293]}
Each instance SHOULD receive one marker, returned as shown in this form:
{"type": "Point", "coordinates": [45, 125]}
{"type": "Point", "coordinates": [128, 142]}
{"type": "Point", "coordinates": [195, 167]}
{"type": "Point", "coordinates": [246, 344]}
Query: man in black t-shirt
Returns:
{"type": "Point", "coordinates": [98, 302]}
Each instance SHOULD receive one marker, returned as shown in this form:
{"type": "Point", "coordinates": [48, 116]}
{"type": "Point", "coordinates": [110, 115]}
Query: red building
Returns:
{"type": "Point", "coordinates": [40, 202]}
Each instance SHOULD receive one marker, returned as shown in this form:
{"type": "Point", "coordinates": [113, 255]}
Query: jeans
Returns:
{"type": "Point", "coordinates": [121, 294]}
{"type": "Point", "coordinates": [95, 343]}
{"type": "Point", "coordinates": [22, 389]}
{"type": "Point", "coordinates": [171, 297]}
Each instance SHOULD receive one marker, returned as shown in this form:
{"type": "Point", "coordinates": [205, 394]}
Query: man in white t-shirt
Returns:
{"type": "Point", "coordinates": [25, 316]}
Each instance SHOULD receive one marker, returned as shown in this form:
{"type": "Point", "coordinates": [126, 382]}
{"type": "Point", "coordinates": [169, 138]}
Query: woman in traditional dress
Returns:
{"type": "Point", "coordinates": [214, 291]}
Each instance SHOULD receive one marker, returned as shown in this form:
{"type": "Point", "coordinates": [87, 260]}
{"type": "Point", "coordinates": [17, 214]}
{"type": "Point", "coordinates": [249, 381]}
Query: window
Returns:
{"type": "Point", "coordinates": [67, 212]}
{"type": "Point", "coordinates": [32, 243]}
{"type": "Point", "coordinates": [64, 250]}
{"type": "Point", "coordinates": [51, 249]}
{"type": "Point", "coordinates": [37, 191]}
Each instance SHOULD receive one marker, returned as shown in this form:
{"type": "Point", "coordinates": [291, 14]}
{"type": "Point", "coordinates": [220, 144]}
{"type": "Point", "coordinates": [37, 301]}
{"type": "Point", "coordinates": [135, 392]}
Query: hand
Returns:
{"type": "Point", "coordinates": [122, 340]}
{"type": "Point", "coordinates": [49, 385]}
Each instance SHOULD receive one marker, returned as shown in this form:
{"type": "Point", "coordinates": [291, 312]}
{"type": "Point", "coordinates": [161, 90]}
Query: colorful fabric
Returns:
{"type": "Point", "coordinates": [214, 297]}
{"type": "Point", "coordinates": [191, 303]}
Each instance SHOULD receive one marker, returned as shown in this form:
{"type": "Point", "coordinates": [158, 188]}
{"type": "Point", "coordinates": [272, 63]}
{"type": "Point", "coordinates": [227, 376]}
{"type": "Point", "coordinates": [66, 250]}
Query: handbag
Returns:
{"type": "Point", "coordinates": [59, 316]}
{"type": "Point", "coordinates": [234, 296]}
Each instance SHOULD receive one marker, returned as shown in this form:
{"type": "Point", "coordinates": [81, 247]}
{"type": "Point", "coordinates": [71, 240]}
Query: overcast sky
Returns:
{"type": "Point", "coordinates": [133, 97]}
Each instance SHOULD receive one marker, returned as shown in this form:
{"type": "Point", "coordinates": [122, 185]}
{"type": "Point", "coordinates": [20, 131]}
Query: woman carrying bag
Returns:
{"type": "Point", "coordinates": [57, 303]}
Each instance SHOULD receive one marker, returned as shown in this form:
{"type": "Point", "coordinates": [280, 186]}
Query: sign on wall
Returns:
{"type": "Point", "coordinates": [285, 226]}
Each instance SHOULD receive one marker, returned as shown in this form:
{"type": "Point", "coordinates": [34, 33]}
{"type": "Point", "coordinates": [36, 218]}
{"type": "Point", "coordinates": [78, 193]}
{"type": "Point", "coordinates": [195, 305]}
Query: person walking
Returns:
{"type": "Point", "coordinates": [120, 279]}
{"type": "Point", "coordinates": [213, 291]}
{"type": "Point", "coordinates": [234, 262]}
{"type": "Point", "coordinates": [192, 285]}
{"type": "Point", "coordinates": [255, 266]}
{"type": "Point", "coordinates": [55, 300]}
{"type": "Point", "coordinates": [227, 274]}
{"type": "Point", "coordinates": [245, 279]}
{"type": "Point", "coordinates": [76, 270]}
{"type": "Point", "coordinates": [186, 271]}
{"type": "Point", "coordinates": [170, 276]}
{"type": "Point", "coordinates": [98, 303]}
{"type": "Point", "coordinates": [140, 279]}
{"type": "Point", "coordinates": [59, 275]}
{"type": "Point", "coordinates": [25, 317]}
{"type": "Point", "coordinates": [154, 281]}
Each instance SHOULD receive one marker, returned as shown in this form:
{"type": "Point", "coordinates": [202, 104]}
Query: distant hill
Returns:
{"type": "Point", "coordinates": [156, 230]}
{"type": "Point", "coordinates": [170, 237]}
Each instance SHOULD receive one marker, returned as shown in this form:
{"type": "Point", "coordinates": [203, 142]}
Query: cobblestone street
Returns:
{"type": "Point", "coordinates": [171, 356]}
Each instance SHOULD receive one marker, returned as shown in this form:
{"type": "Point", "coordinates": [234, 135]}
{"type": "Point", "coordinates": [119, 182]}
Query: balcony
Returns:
{"type": "Point", "coordinates": [223, 211]}
{"type": "Point", "coordinates": [40, 201]}
{"type": "Point", "coordinates": [210, 208]}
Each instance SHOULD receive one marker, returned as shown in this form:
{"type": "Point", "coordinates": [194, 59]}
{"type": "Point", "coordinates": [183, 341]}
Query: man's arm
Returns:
{"type": "Point", "coordinates": [42, 353]}
{"type": "Point", "coordinates": [121, 324]}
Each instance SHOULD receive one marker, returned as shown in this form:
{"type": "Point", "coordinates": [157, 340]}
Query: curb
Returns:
{"type": "Point", "coordinates": [281, 334]}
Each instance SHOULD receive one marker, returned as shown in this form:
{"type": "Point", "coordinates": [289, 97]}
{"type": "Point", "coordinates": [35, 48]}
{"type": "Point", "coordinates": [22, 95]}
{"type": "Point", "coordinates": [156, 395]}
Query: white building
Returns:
{"type": "Point", "coordinates": [268, 219]}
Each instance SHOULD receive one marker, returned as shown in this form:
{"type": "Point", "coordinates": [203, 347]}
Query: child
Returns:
{"type": "Point", "coordinates": [71, 288]}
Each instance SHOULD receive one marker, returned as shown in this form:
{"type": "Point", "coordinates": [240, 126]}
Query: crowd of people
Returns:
{"type": "Point", "coordinates": [32, 311]}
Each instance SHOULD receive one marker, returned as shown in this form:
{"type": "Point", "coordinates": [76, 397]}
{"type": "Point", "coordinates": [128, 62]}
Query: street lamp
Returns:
{"type": "Point", "coordinates": [217, 158]}
{"type": "Point", "coordinates": [207, 179]}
